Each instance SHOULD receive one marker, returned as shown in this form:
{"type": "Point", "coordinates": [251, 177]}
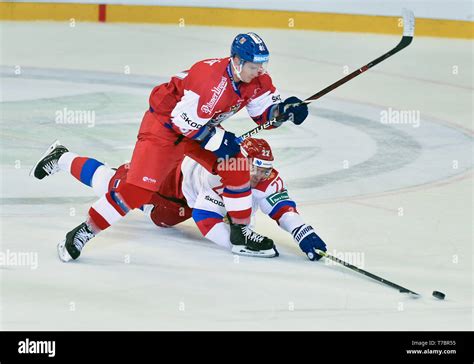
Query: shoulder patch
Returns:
{"type": "Point", "coordinates": [278, 197]}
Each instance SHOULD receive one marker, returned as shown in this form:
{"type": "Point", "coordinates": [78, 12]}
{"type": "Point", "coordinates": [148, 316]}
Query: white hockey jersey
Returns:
{"type": "Point", "coordinates": [203, 190]}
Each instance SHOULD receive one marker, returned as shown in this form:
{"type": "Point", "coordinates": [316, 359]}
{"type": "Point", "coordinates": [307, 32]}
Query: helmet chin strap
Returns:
{"type": "Point", "coordinates": [236, 71]}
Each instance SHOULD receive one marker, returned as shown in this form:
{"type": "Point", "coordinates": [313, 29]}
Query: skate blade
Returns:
{"type": "Point", "coordinates": [62, 252]}
{"type": "Point", "coordinates": [50, 148]}
{"type": "Point", "coordinates": [242, 250]}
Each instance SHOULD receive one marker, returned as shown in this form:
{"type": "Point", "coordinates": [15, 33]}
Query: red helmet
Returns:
{"type": "Point", "coordinates": [260, 152]}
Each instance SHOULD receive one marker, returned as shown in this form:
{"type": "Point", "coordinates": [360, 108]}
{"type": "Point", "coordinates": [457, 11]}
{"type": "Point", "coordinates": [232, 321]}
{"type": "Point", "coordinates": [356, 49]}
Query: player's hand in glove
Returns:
{"type": "Point", "coordinates": [309, 241]}
{"type": "Point", "coordinates": [222, 143]}
{"type": "Point", "coordinates": [297, 114]}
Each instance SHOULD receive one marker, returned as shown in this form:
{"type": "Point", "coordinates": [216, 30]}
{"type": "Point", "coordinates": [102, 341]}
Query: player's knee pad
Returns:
{"type": "Point", "coordinates": [131, 196]}
{"type": "Point", "coordinates": [166, 216]}
{"type": "Point", "coordinates": [168, 213]}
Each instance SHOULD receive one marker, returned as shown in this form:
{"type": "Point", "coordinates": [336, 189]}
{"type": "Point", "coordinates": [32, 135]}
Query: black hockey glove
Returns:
{"type": "Point", "coordinates": [297, 114]}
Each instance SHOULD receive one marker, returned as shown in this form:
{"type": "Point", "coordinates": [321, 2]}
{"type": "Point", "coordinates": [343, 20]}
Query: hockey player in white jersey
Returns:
{"type": "Point", "coordinates": [195, 191]}
{"type": "Point", "coordinates": [269, 194]}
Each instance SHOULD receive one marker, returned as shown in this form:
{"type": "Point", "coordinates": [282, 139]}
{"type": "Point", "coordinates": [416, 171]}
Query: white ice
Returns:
{"type": "Point", "coordinates": [396, 196]}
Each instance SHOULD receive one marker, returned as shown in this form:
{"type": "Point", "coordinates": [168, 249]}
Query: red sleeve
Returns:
{"type": "Point", "coordinates": [192, 111]}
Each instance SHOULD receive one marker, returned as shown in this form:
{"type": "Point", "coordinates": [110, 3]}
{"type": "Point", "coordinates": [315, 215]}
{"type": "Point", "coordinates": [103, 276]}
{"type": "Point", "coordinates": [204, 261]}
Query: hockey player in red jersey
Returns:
{"type": "Point", "coordinates": [193, 191]}
{"type": "Point", "coordinates": [185, 114]}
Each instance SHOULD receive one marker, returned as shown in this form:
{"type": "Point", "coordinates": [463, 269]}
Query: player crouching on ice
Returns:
{"type": "Point", "coordinates": [192, 189]}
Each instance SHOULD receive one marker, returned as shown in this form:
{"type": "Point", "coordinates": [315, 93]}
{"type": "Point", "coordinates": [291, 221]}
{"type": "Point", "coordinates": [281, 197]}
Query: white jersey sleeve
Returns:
{"type": "Point", "coordinates": [274, 200]}
{"type": "Point", "coordinates": [259, 105]}
{"type": "Point", "coordinates": [266, 95]}
{"type": "Point", "coordinates": [185, 115]}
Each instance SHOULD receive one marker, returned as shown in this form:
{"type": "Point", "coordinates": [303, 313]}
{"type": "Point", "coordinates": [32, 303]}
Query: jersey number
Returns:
{"type": "Point", "coordinates": [219, 190]}
{"type": "Point", "coordinates": [278, 183]}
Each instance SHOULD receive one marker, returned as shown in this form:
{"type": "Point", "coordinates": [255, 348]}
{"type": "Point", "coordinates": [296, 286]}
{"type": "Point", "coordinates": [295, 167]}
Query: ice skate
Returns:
{"type": "Point", "coordinates": [245, 241]}
{"type": "Point", "coordinates": [70, 248]}
{"type": "Point", "coordinates": [48, 163]}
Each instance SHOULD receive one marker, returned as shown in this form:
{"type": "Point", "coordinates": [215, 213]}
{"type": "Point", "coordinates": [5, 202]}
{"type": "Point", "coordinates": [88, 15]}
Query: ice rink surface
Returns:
{"type": "Point", "coordinates": [394, 197]}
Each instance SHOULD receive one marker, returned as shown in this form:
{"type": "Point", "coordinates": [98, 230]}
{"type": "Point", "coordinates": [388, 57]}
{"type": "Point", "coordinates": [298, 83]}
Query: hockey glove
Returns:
{"type": "Point", "coordinates": [297, 114]}
{"type": "Point", "coordinates": [222, 143]}
{"type": "Point", "coordinates": [309, 241]}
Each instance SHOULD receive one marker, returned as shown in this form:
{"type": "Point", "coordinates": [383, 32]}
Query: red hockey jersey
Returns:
{"type": "Point", "coordinates": [206, 95]}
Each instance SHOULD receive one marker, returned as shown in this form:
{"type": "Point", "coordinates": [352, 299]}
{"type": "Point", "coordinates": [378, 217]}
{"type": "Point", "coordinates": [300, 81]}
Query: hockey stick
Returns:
{"type": "Point", "coordinates": [365, 273]}
{"type": "Point", "coordinates": [408, 33]}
